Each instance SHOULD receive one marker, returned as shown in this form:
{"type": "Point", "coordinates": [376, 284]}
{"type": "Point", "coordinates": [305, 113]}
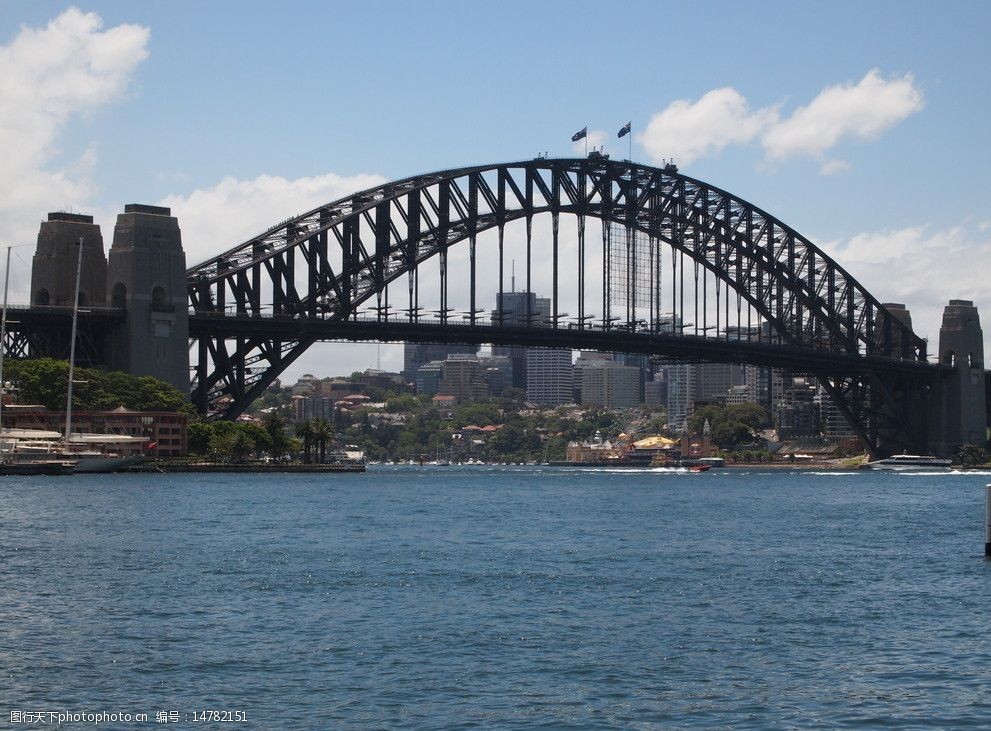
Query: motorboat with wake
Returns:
{"type": "Point", "coordinates": [910, 463]}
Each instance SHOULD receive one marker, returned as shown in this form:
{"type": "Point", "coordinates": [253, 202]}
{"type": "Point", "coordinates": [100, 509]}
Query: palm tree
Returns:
{"type": "Point", "coordinates": [304, 429]}
{"type": "Point", "coordinates": [322, 432]}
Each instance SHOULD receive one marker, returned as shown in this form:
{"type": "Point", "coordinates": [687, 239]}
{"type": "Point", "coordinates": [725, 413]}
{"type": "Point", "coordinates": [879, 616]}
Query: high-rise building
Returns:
{"type": "Point", "coordinates": [655, 392]}
{"type": "Point", "coordinates": [519, 309]}
{"type": "Point", "coordinates": [497, 370]}
{"type": "Point", "coordinates": [313, 407]}
{"type": "Point", "coordinates": [416, 354]}
{"type": "Point", "coordinates": [610, 385]}
{"type": "Point", "coordinates": [463, 379]}
{"type": "Point", "coordinates": [428, 378]}
{"type": "Point", "coordinates": [585, 359]}
{"type": "Point", "coordinates": [641, 363]}
{"type": "Point", "coordinates": [549, 373]}
{"type": "Point", "coordinates": [714, 380]}
{"type": "Point", "coordinates": [832, 422]}
{"type": "Point", "coordinates": [796, 415]}
{"type": "Point", "coordinates": [681, 379]}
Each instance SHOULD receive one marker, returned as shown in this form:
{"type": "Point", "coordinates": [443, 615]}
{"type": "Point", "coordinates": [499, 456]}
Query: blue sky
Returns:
{"type": "Point", "coordinates": [250, 111]}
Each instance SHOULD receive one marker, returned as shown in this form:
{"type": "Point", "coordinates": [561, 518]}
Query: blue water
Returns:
{"type": "Point", "coordinates": [500, 598]}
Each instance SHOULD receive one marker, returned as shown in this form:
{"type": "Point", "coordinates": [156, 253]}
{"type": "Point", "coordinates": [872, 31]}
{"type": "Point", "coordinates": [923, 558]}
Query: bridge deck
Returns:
{"type": "Point", "coordinates": [621, 340]}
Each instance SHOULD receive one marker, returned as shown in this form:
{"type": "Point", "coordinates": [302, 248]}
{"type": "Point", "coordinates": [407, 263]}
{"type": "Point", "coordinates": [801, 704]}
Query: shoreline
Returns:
{"type": "Point", "coordinates": [220, 467]}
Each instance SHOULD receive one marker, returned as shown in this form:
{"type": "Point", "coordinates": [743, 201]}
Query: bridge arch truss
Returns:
{"type": "Point", "coordinates": [331, 273]}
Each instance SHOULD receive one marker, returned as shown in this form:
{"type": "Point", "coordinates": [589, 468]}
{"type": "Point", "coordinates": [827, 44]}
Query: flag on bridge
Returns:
{"type": "Point", "coordinates": [580, 134]}
{"type": "Point", "coordinates": [625, 130]}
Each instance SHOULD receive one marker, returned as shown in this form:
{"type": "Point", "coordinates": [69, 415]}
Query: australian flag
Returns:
{"type": "Point", "coordinates": [624, 130]}
{"type": "Point", "coordinates": [580, 134]}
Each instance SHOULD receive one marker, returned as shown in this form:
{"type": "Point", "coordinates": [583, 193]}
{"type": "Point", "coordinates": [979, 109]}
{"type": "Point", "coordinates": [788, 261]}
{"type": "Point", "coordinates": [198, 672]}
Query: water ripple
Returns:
{"type": "Point", "coordinates": [502, 598]}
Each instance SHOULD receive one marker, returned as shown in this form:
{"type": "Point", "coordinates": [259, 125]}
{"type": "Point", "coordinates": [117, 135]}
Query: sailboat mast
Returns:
{"type": "Point", "coordinates": [3, 334]}
{"type": "Point", "coordinates": [72, 346]}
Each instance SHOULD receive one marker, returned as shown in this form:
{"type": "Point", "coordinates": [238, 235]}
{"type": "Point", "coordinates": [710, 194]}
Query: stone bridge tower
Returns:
{"type": "Point", "coordinates": [962, 397]}
{"type": "Point", "coordinates": [147, 276]}
{"type": "Point", "coordinates": [53, 269]}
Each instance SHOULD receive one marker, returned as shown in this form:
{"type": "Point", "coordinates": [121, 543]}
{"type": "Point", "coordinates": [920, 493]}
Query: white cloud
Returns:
{"type": "Point", "coordinates": [217, 218]}
{"type": "Point", "coordinates": [688, 131]}
{"type": "Point", "coordinates": [863, 111]}
{"type": "Point", "coordinates": [922, 268]}
{"type": "Point", "coordinates": [47, 76]}
{"type": "Point", "coordinates": [834, 167]}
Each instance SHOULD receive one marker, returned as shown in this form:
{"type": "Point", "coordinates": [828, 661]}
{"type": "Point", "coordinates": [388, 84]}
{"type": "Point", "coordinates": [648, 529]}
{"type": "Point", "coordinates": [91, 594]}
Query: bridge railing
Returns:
{"type": "Point", "coordinates": [65, 309]}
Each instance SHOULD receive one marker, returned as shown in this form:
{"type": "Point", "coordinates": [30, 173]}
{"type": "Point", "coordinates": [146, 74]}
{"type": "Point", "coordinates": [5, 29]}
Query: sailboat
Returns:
{"type": "Point", "coordinates": [33, 451]}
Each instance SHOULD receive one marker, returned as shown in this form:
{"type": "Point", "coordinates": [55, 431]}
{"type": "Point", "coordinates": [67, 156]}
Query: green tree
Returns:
{"type": "Point", "coordinates": [971, 455]}
{"type": "Point", "coordinates": [304, 430]}
{"type": "Point", "coordinates": [323, 432]}
{"type": "Point", "coordinates": [198, 434]}
{"type": "Point", "coordinates": [508, 440]}
{"type": "Point", "coordinates": [45, 381]}
{"type": "Point", "coordinates": [275, 426]}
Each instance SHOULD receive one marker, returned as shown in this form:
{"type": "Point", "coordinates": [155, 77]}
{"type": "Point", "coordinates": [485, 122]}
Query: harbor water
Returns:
{"type": "Point", "coordinates": [495, 597]}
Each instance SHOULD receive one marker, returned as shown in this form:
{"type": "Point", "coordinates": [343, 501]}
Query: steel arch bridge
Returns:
{"type": "Point", "coordinates": [668, 243]}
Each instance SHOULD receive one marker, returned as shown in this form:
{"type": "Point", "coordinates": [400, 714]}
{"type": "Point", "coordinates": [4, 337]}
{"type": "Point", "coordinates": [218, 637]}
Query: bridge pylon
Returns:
{"type": "Point", "coordinates": [962, 402]}
{"type": "Point", "coordinates": [147, 277]}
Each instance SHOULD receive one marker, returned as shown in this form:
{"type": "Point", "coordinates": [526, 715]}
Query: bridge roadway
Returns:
{"type": "Point", "coordinates": [617, 339]}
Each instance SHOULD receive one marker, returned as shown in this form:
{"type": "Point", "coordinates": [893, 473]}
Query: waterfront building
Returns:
{"type": "Point", "coordinates": [549, 373]}
{"type": "Point", "coordinates": [595, 450]}
{"type": "Point", "coordinates": [166, 430]}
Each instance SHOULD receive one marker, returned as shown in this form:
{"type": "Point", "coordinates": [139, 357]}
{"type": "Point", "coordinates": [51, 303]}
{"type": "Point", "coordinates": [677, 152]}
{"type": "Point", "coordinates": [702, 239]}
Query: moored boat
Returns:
{"type": "Point", "coordinates": [86, 453]}
{"type": "Point", "coordinates": [37, 467]}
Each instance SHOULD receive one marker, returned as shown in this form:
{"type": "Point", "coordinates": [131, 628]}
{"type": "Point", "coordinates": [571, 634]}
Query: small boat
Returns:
{"type": "Point", "coordinates": [700, 468]}
{"type": "Point", "coordinates": [910, 462]}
